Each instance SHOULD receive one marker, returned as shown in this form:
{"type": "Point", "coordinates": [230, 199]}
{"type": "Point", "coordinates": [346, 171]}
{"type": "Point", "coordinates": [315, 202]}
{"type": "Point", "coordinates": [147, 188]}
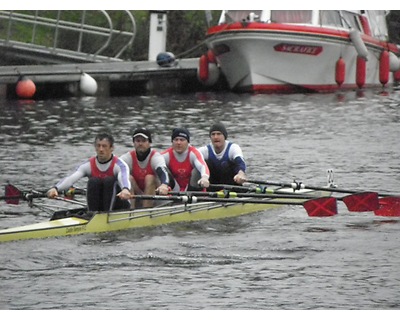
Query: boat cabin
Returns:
{"type": "Point", "coordinates": [371, 22]}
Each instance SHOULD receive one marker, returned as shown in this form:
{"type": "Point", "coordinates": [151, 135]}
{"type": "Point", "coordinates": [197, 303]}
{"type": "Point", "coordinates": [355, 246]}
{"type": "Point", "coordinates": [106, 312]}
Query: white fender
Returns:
{"type": "Point", "coordinates": [394, 62]}
{"type": "Point", "coordinates": [359, 44]}
{"type": "Point", "coordinates": [87, 84]}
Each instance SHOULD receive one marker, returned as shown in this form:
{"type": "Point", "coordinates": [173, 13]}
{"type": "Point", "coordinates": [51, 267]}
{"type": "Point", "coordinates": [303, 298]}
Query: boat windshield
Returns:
{"type": "Point", "coordinates": [291, 16]}
{"type": "Point", "coordinates": [331, 18]}
{"type": "Point", "coordinates": [378, 24]}
{"type": "Point", "coordinates": [230, 16]}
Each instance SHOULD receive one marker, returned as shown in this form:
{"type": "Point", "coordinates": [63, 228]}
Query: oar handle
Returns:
{"type": "Point", "coordinates": [294, 185]}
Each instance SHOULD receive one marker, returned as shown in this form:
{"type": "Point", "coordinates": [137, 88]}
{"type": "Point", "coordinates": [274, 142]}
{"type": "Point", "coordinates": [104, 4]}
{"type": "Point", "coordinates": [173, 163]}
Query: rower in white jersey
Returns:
{"type": "Point", "coordinates": [108, 184]}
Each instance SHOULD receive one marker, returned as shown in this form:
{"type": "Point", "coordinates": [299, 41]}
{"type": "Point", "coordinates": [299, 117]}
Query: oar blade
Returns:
{"type": "Point", "coordinates": [388, 207]}
{"type": "Point", "coordinates": [362, 202]}
{"type": "Point", "coordinates": [321, 207]}
{"type": "Point", "coordinates": [12, 194]}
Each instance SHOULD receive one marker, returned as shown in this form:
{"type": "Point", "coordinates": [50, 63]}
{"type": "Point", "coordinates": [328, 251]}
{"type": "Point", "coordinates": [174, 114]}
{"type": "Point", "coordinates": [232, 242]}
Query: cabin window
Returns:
{"type": "Point", "coordinates": [331, 18]}
{"type": "Point", "coordinates": [351, 20]}
{"type": "Point", "coordinates": [291, 16]}
{"type": "Point", "coordinates": [378, 25]}
{"type": "Point", "coordinates": [239, 15]}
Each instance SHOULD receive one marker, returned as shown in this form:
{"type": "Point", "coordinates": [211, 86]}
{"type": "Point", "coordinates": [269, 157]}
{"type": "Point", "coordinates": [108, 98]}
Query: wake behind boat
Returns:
{"type": "Point", "coordinates": [300, 50]}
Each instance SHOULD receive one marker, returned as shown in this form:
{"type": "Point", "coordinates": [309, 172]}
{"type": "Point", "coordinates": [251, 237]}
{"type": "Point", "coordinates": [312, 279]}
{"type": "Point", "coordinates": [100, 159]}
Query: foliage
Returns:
{"type": "Point", "coordinates": [186, 32]}
{"type": "Point", "coordinates": [393, 20]}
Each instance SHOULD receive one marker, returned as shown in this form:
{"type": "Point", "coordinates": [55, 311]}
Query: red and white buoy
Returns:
{"type": "Point", "coordinates": [384, 67]}
{"type": "Point", "coordinates": [360, 72]}
{"type": "Point", "coordinates": [203, 68]}
{"type": "Point", "coordinates": [208, 71]}
{"type": "Point", "coordinates": [25, 88]}
{"type": "Point", "coordinates": [340, 71]}
{"type": "Point", "coordinates": [211, 57]}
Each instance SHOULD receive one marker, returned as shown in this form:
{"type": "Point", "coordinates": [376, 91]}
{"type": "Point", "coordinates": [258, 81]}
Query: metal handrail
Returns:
{"type": "Point", "coordinates": [56, 25]}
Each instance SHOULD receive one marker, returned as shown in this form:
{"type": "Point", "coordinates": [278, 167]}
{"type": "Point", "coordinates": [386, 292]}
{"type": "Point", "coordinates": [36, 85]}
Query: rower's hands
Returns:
{"type": "Point", "coordinates": [162, 189]}
{"type": "Point", "coordinates": [52, 193]}
{"type": "Point", "coordinates": [240, 177]}
{"type": "Point", "coordinates": [203, 182]}
{"type": "Point", "coordinates": [125, 194]}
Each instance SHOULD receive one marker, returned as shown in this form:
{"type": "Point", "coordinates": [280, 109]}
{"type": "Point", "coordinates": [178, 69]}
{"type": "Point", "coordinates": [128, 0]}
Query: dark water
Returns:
{"type": "Point", "coordinates": [278, 259]}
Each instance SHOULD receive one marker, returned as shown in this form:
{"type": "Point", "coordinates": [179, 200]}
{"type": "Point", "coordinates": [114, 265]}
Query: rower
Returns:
{"type": "Point", "coordinates": [108, 184]}
{"type": "Point", "coordinates": [149, 173]}
{"type": "Point", "coordinates": [224, 158]}
{"type": "Point", "coordinates": [186, 163]}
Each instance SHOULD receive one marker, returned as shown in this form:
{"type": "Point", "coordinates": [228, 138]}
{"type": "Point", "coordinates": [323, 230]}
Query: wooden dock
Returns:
{"type": "Point", "coordinates": [113, 78]}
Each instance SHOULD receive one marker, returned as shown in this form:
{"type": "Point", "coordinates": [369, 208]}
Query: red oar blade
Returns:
{"type": "Point", "coordinates": [362, 202]}
{"type": "Point", "coordinates": [389, 207]}
{"type": "Point", "coordinates": [321, 207]}
{"type": "Point", "coordinates": [12, 194]}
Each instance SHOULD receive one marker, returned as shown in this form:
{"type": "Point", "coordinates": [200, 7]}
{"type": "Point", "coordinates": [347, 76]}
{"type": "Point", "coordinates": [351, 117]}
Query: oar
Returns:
{"type": "Point", "coordinates": [319, 207]}
{"type": "Point", "coordinates": [389, 205]}
{"type": "Point", "coordinates": [13, 194]}
{"type": "Point", "coordinates": [360, 202]}
{"type": "Point", "coordinates": [300, 185]}
{"type": "Point", "coordinates": [233, 194]}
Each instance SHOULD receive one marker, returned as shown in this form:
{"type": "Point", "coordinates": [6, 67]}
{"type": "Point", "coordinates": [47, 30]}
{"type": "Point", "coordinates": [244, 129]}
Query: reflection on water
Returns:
{"type": "Point", "coordinates": [280, 259]}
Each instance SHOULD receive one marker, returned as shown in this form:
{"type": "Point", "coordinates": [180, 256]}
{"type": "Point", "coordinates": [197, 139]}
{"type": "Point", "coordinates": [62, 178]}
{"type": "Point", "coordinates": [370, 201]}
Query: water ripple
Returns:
{"type": "Point", "coordinates": [277, 259]}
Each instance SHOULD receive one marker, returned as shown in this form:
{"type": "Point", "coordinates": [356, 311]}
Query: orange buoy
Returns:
{"type": "Point", "coordinates": [203, 68]}
{"type": "Point", "coordinates": [340, 71]}
{"type": "Point", "coordinates": [25, 88]}
{"type": "Point", "coordinates": [360, 72]}
{"type": "Point", "coordinates": [384, 67]}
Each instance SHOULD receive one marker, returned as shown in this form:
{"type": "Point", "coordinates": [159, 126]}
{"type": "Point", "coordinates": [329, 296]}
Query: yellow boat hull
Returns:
{"type": "Point", "coordinates": [123, 220]}
{"type": "Point", "coordinates": [150, 217]}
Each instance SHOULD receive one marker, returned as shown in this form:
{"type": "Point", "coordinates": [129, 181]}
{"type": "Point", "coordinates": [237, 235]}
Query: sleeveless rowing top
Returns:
{"type": "Point", "coordinates": [181, 171]}
{"type": "Point", "coordinates": [96, 172]}
{"type": "Point", "coordinates": [138, 172]}
{"type": "Point", "coordinates": [222, 170]}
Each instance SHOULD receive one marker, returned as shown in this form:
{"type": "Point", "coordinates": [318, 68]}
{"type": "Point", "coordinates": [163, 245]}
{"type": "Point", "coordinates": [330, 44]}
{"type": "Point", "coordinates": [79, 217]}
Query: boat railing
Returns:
{"type": "Point", "coordinates": [91, 35]}
{"type": "Point", "coordinates": [161, 211]}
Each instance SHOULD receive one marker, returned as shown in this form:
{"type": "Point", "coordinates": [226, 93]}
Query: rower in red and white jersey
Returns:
{"type": "Point", "coordinates": [186, 163]}
{"type": "Point", "coordinates": [149, 173]}
{"type": "Point", "coordinates": [108, 185]}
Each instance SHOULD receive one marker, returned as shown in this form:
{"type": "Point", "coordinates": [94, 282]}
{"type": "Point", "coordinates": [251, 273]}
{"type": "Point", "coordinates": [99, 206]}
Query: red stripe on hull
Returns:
{"type": "Point", "coordinates": [267, 88]}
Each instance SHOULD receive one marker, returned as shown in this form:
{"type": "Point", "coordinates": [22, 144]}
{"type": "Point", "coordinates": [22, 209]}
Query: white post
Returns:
{"type": "Point", "coordinates": [158, 33]}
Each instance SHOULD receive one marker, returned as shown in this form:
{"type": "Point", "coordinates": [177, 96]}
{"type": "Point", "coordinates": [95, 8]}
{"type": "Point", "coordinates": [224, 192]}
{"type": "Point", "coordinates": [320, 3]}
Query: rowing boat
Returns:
{"type": "Point", "coordinates": [78, 221]}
